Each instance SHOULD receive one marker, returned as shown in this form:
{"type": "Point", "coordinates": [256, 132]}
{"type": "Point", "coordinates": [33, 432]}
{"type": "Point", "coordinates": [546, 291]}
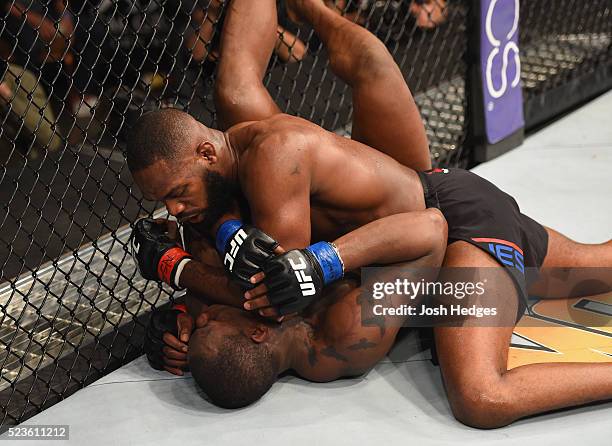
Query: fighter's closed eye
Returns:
{"type": "Point", "coordinates": [176, 192]}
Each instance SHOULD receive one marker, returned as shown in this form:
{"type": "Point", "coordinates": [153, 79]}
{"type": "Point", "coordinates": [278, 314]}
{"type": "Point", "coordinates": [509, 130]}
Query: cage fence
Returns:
{"type": "Point", "coordinates": [76, 75]}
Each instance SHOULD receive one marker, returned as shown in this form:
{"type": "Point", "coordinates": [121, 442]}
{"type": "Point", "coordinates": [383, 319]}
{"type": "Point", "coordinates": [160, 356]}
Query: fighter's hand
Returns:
{"type": "Point", "coordinates": [158, 256]}
{"type": "Point", "coordinates": [171, 228]}
{"type": "Point", "coordinates": [244, 249]}
{"type": "Point", "coordinates": [166, 339]}
{"type": "Point", "coordinates": [256, 299]}
{"type": "Point", "coordinates": [289, 283]}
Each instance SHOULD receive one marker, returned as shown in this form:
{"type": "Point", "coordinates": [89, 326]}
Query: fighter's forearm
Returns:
{"type": "Point", "coordinates": [204, 276]}
{"type": "Point", "coordinates": [343, 342]}
{"type": "Point", "coordinates": [394, 239]}
{"type": "Point", "coordinates": [417, 240]}
{"type": "Point", "coordinates": [212, 283]}
{"type": "Point", "coordinates": [195, 305]}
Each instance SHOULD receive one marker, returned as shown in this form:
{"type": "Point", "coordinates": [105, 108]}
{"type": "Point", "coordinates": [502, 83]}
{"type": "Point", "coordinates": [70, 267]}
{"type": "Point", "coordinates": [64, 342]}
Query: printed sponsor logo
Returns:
{"type": "Point", "coordinates": [498, 39]}
{"type": "Point", "coordinates": [508, 253]}
{"type": "Point", "coordinates": [560, 330]}
{"type": "Point", "coordinates": [235, 244]}
{"type": "Point", "coordinates": [501, 68]}
{"type": "Point", "coordinates": [306, 285]}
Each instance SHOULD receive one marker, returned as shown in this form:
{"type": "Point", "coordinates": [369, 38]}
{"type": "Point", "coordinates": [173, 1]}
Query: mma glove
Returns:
{"type": "Point", "coordinates": [161, 321]}
{"type": "Point", "coordinates": [158, 256]}
{"type": "Point", "coordinates": [296, 278]}
{"type": "Point", "coordinates": [244, 249]}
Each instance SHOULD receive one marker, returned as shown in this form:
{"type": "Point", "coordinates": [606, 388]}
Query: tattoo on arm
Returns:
{"type": "Point", "coordinates": [312, 351]}
{"type": "Point", "coordinates": [376, 321]}
{"type": "Point", "coordinates": [363, 344]}
{"type": "Point", "coordinates": [333, 353]}
{"type": "Point", "coordinates": [366, 304]}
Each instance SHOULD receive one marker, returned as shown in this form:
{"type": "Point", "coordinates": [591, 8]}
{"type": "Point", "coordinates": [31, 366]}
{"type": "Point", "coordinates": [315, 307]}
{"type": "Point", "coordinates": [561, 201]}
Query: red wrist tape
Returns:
{"type": "Point", "coordinates": [168, 261]}
{"type": "Point", "coordinates": [180, 307]}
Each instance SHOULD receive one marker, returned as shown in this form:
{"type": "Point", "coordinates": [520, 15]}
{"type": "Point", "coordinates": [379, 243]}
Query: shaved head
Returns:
{"type": "Point", "coordinates": [160, 135]}
{"type": "Point", "coordinates": [235, 373]}
{"type": "Point", "coordinates": [175, 159]}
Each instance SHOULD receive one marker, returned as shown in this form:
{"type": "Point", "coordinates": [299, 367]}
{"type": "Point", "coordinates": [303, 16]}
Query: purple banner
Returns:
{"type": "Point", "coordinates": [501, 68]}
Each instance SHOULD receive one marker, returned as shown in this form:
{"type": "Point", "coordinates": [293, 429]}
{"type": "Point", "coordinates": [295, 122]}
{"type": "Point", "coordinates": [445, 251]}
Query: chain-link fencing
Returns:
{"type": "Point", "coordinates": [76, 75]}
{"type": "Point", "coordinates": [566, 55]}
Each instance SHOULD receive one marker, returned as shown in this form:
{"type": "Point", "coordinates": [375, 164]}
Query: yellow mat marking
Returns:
{"type": "Point", "coordinates": [565, 330]}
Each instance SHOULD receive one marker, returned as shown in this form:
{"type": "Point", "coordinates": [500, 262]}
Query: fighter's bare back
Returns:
{"type": "Point", "coordinates": [336, 184]}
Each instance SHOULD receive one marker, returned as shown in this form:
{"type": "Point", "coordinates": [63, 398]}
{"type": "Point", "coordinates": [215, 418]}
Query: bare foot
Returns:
{"type": "Point", "coordinates": [430, 13]}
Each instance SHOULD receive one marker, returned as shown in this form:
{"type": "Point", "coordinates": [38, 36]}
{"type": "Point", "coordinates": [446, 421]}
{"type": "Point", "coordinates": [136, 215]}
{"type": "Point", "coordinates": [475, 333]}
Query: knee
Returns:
{"type": "Point", "coordinates": [368, 61]}
{"type": "Point", "coordinates": [378, 69]}
{"type": "Point", "coordinates": [229, 93]}
{"type": "Point", "coordinates": [482, 406]}
{"type": "Point", "coordinates": [237, 95]}
{"type": "Point", "coordinates": [436, 235]}
{"type": "Point", "coordinates": [439, 224]}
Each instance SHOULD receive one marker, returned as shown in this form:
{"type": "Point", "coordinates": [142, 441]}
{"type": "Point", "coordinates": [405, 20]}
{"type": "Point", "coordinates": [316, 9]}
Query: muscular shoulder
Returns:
{"type": "Point", "coordinates": [280, 148]}
{"type": "Point", "coordinates": [284, 133]}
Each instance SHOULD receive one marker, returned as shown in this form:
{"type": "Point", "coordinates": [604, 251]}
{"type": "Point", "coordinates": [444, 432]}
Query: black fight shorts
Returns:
{"type": "Point", "coordinates": [479, 213]}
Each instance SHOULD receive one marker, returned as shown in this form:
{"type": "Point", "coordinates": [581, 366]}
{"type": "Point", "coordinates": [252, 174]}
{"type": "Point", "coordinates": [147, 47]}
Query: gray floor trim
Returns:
{"type": "Point", "coordinates": [560, 176]}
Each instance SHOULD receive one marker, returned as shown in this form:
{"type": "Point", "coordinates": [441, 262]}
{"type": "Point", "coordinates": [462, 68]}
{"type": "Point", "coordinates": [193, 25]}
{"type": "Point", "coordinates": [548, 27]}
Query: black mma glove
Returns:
{"type": "Point", "coordinates": [244, 249]}
{"type": "Point", "coordinates": [158, 257]}
{"type": "Point", "coordinates": [161, 321]}
{"type": "Point", "coordinates": [296, 278]}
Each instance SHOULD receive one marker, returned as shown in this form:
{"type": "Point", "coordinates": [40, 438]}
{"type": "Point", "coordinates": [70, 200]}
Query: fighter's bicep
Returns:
{"type": "Point", "coordinates": [285, 217]}
{"type": "Point", "coordinates": [368, 346]}
{"type": "Point", "coordinates": [277, 188]}
{"type": "Point", "coordinates": [356, 339]}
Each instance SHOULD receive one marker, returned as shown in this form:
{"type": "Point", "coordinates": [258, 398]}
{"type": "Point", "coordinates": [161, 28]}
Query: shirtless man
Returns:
{"type": "Point", "coordinates": [301, 182]}
{"type": "Point", "coordinates": [235, 356]}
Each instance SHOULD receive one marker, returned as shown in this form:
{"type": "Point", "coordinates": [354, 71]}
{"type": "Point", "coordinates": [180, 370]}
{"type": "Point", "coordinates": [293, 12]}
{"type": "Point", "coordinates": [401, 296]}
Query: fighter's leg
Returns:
{"type": "Point", "coordinates": [247, 42]}
{"type": "Point", "coordinates": [473, 360]}
{"type": "Point", "coordinates": [572, 269]}
{"type": "Point", "coordinates": [385, 115]}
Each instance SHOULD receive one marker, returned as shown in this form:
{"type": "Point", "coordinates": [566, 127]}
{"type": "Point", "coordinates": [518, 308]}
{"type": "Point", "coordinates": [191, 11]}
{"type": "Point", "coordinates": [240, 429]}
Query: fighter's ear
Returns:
{"type": "Point", "coordinates": [208, 151]}
{"type": "Point", "coordinates": [202, 320]}
{"type": "Point", "coordinates": [259, 333]}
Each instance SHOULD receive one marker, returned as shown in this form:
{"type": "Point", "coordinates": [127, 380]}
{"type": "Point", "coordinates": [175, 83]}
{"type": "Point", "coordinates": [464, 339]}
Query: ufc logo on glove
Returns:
{"type": "Point", "coordinates": [306, 285]}
{"type": "Point", "coordinates": [235, 244]}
